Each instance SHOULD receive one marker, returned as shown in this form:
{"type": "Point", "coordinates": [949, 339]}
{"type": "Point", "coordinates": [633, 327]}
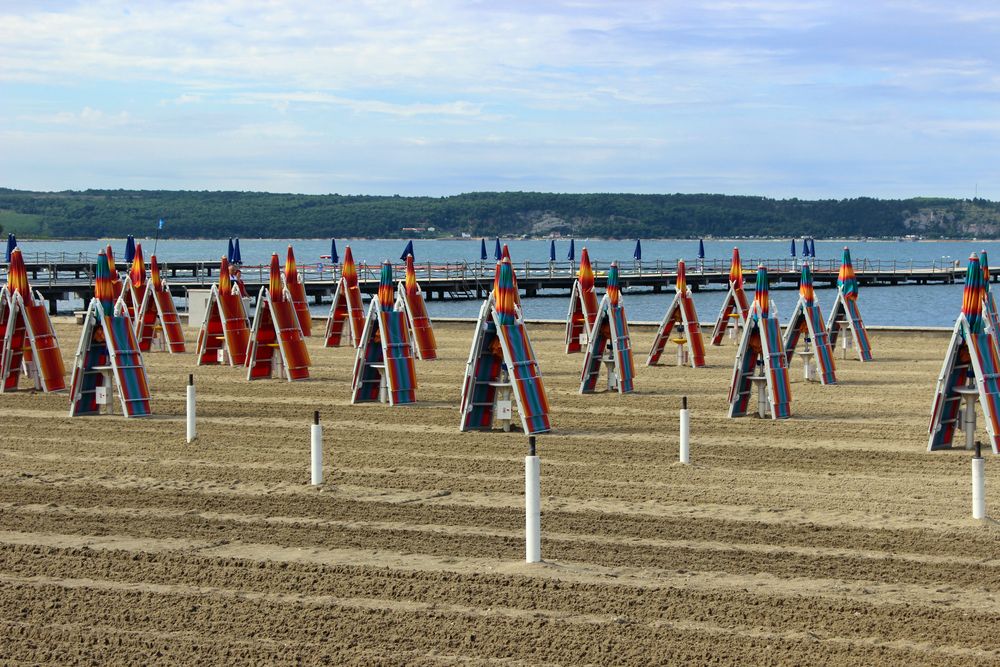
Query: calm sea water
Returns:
{"type": "Point", "coordinates": [926, 305]}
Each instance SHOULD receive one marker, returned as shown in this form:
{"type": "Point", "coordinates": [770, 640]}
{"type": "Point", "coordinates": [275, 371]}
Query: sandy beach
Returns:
{"type": "Point", "coordinates": [831, 538]}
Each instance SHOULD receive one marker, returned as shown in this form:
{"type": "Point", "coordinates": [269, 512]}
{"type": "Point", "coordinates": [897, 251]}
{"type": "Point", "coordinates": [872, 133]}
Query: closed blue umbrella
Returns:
{"type": "Point", "coordinates": [497, 253]}
{"type": "Point", "coordinates": [11, 244]}
{"type": "Point", "coordinates": [793, 248]}
{"type": "Point", "coordinates": [701, 249]}
{"type": "Point", "coordinates": [571, 255]}
{"type": "Point", "coordinates": [408, 250]}
{"type": "Point", "coordinates": [483, 255]}
{"type": "Point", "coordinates": [230, 253]}
{"type": "Point", "coordinates": [237, 255]}
{"type": "Point", "coordinates": [812, 248]}
{"type": "Point", "coordinates": [552, 250]}
{"type": "Point", "coordinates": [334, 257]}
{"type": "Point", "coordinates": [129, 250]}
{"type": "Point", "coordinates": [637, 253]}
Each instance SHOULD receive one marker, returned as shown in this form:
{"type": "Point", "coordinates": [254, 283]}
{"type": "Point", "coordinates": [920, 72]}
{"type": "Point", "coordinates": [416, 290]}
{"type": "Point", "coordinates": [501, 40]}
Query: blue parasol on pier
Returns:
{"type": "Point", "coordinates": [237, 255]}
{"type": "Point", "coordinates": [129, 249]}
{"type": "Point", "coordinates": [637, 253]}
{"type": "Point", "coordinates": [11, 244]}
{"type": "Point", "coordinates": [483, 255]}
{"type": "Point", "coordinates": [334, 257]}
{"type": "Point", "coordinates": [571, 255]}
{"type": "Point", "coordinates": [552, 250]}
{"type": "Point", "coordinates": [497, 252]}
{"type": "Point", "coordinates": [408, 250]}
{"type": "Point", "coordinates": [229, 252]}
{"type": "Point", "coordinates": [701, 249]}
{"type": "Point", "coordinates": [792, 249]}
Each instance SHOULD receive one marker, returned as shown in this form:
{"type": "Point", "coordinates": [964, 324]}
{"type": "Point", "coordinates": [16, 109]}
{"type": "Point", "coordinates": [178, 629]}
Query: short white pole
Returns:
{"type": "Point", "coordinates": [532, 505]}
{"type": "Point", "coordinates": [970, 422]}
{"type": "Point", "coordinates": [978, 485]}
{"type": "Point", "coordinates": [192, 431]}
{"type": "Point", "coordinates": [317, 450]}
{"type": "Point", "coordinates": [685, 432]}
{"type": "Point", "coordinates": [762, 399]}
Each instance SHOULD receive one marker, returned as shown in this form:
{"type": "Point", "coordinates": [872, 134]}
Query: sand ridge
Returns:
{"type": "Point", "coordinates": [832, 538]}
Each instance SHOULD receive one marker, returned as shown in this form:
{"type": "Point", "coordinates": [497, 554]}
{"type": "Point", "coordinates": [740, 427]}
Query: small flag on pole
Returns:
{"type": "Point", "coordinates": [160, 224]}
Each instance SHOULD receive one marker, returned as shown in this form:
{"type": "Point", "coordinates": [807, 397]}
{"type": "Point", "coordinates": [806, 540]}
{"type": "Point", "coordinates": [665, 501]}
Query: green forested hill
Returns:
{"type": "Point", "coordinates": [191, 214]}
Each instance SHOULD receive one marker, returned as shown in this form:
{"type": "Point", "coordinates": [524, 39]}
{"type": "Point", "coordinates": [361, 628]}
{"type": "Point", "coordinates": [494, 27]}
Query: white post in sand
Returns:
{"type": "Point", "coordinates": [970, 421]}
{"type": "Point", "coordinates": [192, 432]}
{"type": "Point", "coordinates": [532, 505]}
{"type": "Point", "coordinates": [978, 484]}
{"type": "Point", "coordinates": [685, 432]}
{"type": "Point", "coordinates": [316, 432]}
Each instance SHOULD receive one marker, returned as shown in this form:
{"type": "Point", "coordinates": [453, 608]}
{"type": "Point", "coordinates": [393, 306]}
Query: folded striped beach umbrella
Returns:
{"type": "Point", "coordinates": [386, 288]}
{"type": "Point", "coordinates": [847, 282]}
{"type": "Point", "coordinates": [410, 282]}
{"type": "Point", "coordinates": [505, 293]}
{"type": "Point", "coordinates": [972, 295]}
{"type": "Point", "coordinates": [613, 290]}
{"type": "Point", "coordinates": [137, 272]}
{"type": "Point", "coordinates": [806, 285]}
{"type": "Point", "coordinates": [761, 296]}
{"type": "Point", "coordinates": [274, 280]}
{"type": "Point", "coordinates": [155, 281]}
{"type": "Point", "coordinates": [104, 289]}
{"type": "Point", "coordinates": [17, 277]}
{"type": "Point", "coordinates": [585, 273]}
{"type": "Point", "coordinates": [736, 269]}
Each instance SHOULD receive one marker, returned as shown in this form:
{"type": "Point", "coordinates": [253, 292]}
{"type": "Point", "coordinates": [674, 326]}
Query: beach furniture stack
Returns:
{"type": "Point", "coordinates": [971, 372]}
{"type": "Point", "coordinates": [410, 300]}
{"type": "Point", "coordinates": [761, 367]}
{"type": "Point", "coordinates": [609, 346]}
{"type": "Point", "coordinates": [157, 325]}
{"type": "Point", "coordinates": [807, 325]}
{"type": "Point", "coordinates": [845, 316]}
{"type": "Point", "coordinates": [582, 306]}
{"type": "Point", "coordinates": [225, 331]}
{"type": "Point", "coordinates": [384, 367]}
{"type": "Point", "coordinates": [733, 315]}
{"type": "Point", "coordinates": [347, 315]}
{"type": "Point", "coordinates": [108, 360]}
{"type": "Point", "coordinates": [502, 369]}
{"type": "Point", "coordinates": [29, 343]}
{"type": "Point", "coordinates": [681, 322]}
{"type": "Point", "coordinates": [276, 342]}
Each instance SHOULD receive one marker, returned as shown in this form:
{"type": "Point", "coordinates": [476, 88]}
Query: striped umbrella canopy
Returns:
{"type": "Point", "coordinates": [505, 254]}
{"type": "Point", "coordinates": [349, 271]}
{"type": "Point", "coordinates": [137, 273]}
{"type": "Point", "coordinates": [682, 282]}
{"type": "Point", "coordinates": [274, 280]}
{"type": "Point", "coordinates": [585, 274]}
{"type": "Point", "coordinates": [104, 289]}
{"type": "Point", "coordinates": [806, 284]}
{"type": "Point", "coordinates": [736, 269]}
{"type": "Point", "coordinates": [154, 274]}
{"type": "Point", "coordinates": [571, 255]}
{"type": "Point", "coordinates": [410, 284]}
{"type": "Point", "coordinates": [116, 280]}
{"type": "Point", "coordinates": [129, 249]}
{"type": "Point", "coordinates": [613, 290]}
{"type": "Point", "coordinates": [847, 282]}
{"type": "Point", "coordinates": [225, 279]}
{"type": "Point", "coordinates": [972, 295]}
{"type": "Point", "coordinates": [984, 264]}
{"type": "Point", "coordinates": [334, 257]}
{"type": "Point", "coordinates": [291, 271]}
{"type": "Point", "coordinates": [505, 292]}
{"type": "Point", "coordinates": [386, 290]}
{"type": "Point", "coordinates": [761, 296]}
{"type": "Point", "coordinates": [17, 277]}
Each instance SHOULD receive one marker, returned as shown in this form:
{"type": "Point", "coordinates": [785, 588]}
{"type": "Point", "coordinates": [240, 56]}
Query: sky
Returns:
{"type": "Point", "coordinates": [795, 98]}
